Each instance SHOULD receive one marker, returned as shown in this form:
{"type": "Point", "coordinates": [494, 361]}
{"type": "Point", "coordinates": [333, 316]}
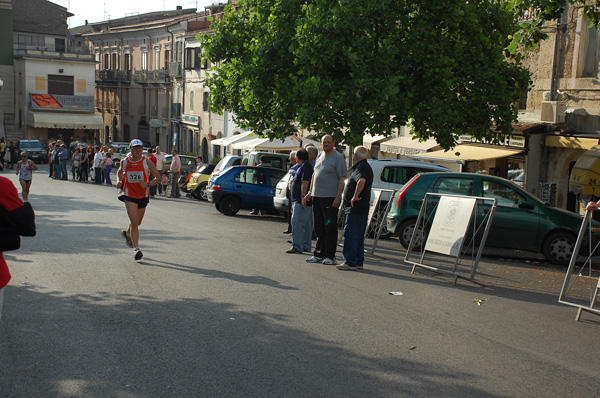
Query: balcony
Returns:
{"type": "Point", "coordinates": [151, 77]}
{"type": "Point", "coordinates": [51, 53]}
{"type": "Point", "coordinates": [108, 75]}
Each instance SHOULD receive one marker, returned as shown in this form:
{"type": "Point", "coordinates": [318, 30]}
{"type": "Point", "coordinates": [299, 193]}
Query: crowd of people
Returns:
{"type": "Point", "coordinates": [317, 189]}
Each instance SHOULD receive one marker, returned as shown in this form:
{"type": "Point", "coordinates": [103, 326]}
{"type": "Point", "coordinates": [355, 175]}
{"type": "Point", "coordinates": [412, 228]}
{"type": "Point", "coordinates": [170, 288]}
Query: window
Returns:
{"type": "Point", "coordinates": [505, 195]}
{"type": "Point", "coordinates": [191, 101]}
{"type": "Point", "coordinates": [106, 64]}
{"type": "Point", "coordinates": [156, 60]}
{"type": "Point", "coordinates": [588, 50]}
{"type": "Point", "coordinates": [205, 102]}
{"type": "Point", "coordinates": [114, 61]}
{"type": "Point", "coordinates": [454, 186]}
{"type": "Point", "coordinates": [276, 176]}
{"type": "Point", "coordinates": [167, 59]}
{"type": "Point", "coordinates": [60, 84]}
{"type": "Point", "coordinates": [400, 175]}
{"type": "Point", "coordinates": [192, 58]}
{"type": "Point", "coordinates": [59, 45]}
{"type": "Point", "coordinates": [252, 176]}
{"type": "Point", "coordinates": [144, 61]}
{"type": "Point", "coordinates": [127, 62]}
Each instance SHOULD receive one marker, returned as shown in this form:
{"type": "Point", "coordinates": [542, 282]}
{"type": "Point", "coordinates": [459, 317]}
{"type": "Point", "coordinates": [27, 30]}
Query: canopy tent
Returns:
{"type": "Point", "coordinates": [585, 176]}
{"type": "Point", "coordinates": [264, 144]}
{"type": "Point", "coordinates": [62, 120]}
{"type": "Point", "coordinates": [369, 140]}
{"type": "Point", "coordinates": [407, 146]}
{"type": "Point", "coordinates": [466, 153]}
{"type": "Point", "coordinates": [225, 141]}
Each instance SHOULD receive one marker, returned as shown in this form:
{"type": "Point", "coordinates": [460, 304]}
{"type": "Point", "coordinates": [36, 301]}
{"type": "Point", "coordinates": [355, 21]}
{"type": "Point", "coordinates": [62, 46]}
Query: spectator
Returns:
{"type": "Point", "coordinates": [175, 174]}
{"type": "Point", "coordinates": [76, 163]}
{"type": "Point", "coordinates": [98, 160]}
{"type": "Point", "coordinates": [199, 163]}
{"type": "Point", "coordinates": [153, 159]}
{"type": "Point", "coordinates": [292, 172]}
{"type": "Point", "coordinates": [161, 167]}
{"type": "Point", "coordinates": [56, 160]}
{"type": "Point", "coordinates": [326, 193]}
{"type": "Point", "coordinates": [357, 195]}
{"type": "Point", "coordinates": [10, 157]}
{"type": "Point", "coordinates": [302, 225]}
{"type": "Point", "coordinates": [51, 148]}
{"type": "Point", "coordinates": [108, 162]}
{"type": "Point", "coordinates": [313, 152]}
{"type": "Point", "coordinates": [63, 157]}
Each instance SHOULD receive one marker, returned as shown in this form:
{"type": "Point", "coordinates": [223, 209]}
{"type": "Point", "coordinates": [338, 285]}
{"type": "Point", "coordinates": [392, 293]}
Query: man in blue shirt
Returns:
{"type": "Point", "coordinates": [302, 225]}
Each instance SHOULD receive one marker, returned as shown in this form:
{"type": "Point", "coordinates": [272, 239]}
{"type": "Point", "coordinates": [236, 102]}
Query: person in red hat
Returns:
{"type": "Point", "coordinates": [134, 178]}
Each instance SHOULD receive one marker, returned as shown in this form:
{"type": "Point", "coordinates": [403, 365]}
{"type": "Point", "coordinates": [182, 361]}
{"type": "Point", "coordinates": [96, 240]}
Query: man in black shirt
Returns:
{"type": "Point", "coordinates": [357, 195]}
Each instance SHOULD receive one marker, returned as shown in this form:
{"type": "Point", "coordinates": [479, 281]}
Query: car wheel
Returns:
{"type": "Point", "coordinates": [230, 205]}
{"type": "Point", "coordinates": [405, 233]}
{"type": "Point", "coordinates": [558, 248]}
{"type": "Point", "coordinates": [201, 191]}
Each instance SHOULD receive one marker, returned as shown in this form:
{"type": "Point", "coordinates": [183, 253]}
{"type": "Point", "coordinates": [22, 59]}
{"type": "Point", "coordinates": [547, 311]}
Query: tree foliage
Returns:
{"type": "Point", "coordinates": [343, 67]}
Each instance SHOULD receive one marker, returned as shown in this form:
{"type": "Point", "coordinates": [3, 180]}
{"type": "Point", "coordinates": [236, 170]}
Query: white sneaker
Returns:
{"type": "Point", "coordinates": [329, 261]}
{"type": "Point", "coordinates": [314, 259]}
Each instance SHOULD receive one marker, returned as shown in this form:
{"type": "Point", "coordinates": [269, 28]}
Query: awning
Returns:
{"type": "Point", "coordinates": [369, 139]}
{"type": "Point", "coordinates": [247, 135]}
{"type": "Point", "coordinates": [558, 141]}
{"type": "Point", "coordinates": [264, 144]}
{"type": "Point", "coordinates": [467, 153]}
{"type": "Point", "coordinates": [60, 120]}
{"type": "Point", "coordinates": [407, 146]}
{"type": "Point", "coordinates": [585, 176]}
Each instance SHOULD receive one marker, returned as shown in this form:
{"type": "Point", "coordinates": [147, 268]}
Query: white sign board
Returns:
{"type": "Point", "coordinates": [450, 225]}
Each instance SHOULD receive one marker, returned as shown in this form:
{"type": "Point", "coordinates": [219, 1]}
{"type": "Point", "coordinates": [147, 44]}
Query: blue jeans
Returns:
{"type": "Point", "coordinates": [354, 240]}
{"type": "Point", "coordinates": [57, 173]}
{"type": "Point", "coordinates": [63, 169]}
{"type": "Point", "coordinates": [302, 227]}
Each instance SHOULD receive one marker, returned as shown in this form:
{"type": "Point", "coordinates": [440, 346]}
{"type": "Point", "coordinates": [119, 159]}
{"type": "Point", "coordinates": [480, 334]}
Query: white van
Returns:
{"type": "Point", "coordinates": [276, 160]}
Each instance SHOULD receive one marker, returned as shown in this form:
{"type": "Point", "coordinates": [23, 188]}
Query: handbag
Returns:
{"type": "Point", "coordinates": [14, 224]}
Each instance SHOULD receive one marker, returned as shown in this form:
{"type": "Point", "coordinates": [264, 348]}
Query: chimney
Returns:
{"type": "Point", "coordinates": [86, 21]}
{"type": "Point", "coordinates": [179, 8]}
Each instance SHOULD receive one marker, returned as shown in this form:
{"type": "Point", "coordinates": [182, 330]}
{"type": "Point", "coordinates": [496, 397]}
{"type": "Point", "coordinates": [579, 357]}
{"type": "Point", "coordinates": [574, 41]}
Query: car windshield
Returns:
{"type": "Point", "coordinates": [31, 145]}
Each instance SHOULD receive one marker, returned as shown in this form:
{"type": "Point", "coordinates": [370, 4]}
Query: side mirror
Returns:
{"type": "Point", "coordinates": [526, 206]}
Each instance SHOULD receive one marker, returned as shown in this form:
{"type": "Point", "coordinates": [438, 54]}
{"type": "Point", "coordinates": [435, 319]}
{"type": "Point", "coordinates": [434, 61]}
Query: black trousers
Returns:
{"type": "Point", "coordinates": [325, 225]}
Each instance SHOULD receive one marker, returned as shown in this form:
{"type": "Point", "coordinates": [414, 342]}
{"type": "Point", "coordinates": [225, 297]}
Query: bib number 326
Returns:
{"type": "Point", "coordinates": [135, 176]}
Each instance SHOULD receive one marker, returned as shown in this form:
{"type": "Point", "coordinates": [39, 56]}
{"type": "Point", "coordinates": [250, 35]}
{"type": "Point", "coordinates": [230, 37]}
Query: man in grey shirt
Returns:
{"type": "Point", "coordinates": [326, 193]}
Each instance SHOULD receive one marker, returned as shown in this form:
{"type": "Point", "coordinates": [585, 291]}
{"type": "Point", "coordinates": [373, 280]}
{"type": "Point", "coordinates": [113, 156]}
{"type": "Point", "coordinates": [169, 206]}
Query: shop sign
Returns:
{"type": "Point", "coordinates": [190, 119]}
{"type": "Point", "coordinates": [155, 123]}
{"type": "Point", "coordinates": [62, 102]}
{"type": "Point", "coordinates": [517, 141]}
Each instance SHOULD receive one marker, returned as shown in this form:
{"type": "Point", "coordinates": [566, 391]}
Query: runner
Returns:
{"type": "Point", "coordinates": [24, 171]}
{"type": "Point", "coordinates": [133, 177]}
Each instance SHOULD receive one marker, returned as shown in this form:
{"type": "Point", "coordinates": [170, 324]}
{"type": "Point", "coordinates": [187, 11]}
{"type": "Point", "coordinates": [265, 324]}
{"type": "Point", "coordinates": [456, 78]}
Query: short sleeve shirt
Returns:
{"type": "Point", "coordinates": [303, 173]}
{"type": "Point", "coordinates": [360, 170]}
{"type": "Point", "coordinates": [329, 170]}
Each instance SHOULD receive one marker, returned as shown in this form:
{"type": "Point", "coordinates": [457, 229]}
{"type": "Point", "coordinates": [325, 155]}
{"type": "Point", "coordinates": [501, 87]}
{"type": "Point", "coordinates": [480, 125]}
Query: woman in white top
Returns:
{"type": "Point", "coordinates": [25, 169]}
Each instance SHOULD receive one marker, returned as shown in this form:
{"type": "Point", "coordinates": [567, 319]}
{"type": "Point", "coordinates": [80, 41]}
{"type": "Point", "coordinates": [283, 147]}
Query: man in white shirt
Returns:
{"type": "Point", "coordinates": [98, 159]}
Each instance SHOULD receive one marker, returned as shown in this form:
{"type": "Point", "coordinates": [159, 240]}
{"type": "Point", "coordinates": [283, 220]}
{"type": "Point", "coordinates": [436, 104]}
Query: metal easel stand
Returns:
{"type": "Point", "coordinates": [568, 284]}
{"type": "Point", "coordinates": [480, 221]}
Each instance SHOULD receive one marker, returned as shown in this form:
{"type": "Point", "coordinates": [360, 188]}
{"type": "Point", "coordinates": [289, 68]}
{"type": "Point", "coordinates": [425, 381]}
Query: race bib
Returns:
{"type": "Point", "coordinates": [135, 177]}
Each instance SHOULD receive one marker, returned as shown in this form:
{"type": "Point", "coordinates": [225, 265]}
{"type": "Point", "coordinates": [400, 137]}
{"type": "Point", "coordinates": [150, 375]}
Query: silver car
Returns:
{"type": "Point", "coordinates": [281, 201]}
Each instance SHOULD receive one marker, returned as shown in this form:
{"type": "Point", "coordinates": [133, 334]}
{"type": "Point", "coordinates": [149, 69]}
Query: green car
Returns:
{"type": "Point", "coordinates": [521, 221]}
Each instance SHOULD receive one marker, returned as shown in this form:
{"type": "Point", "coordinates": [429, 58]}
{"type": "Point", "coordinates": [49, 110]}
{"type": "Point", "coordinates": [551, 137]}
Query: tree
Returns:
{"type": "Point", "coordinates": [349, 66]}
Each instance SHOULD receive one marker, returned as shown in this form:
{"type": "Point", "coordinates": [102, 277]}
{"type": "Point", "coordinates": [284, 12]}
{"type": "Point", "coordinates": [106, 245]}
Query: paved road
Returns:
{"type": "Point", "coordinates": [217, 309]}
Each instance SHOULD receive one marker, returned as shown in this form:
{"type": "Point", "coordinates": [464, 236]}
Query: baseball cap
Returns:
{"type": "Point", "coordinates": [136, 142]}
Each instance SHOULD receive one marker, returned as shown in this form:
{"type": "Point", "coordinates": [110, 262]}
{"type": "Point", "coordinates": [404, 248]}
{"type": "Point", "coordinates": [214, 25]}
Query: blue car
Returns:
{"type": "Point", "coordinates": [244, 187]}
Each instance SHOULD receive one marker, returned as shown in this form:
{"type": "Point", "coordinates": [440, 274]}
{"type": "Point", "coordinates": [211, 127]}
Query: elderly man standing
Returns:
{"type": "Point", "coordinates": [357, 195]}
{"type": "Point", "coordinates": [160, 166]}
{"type": "Point", "coordinates": [326, 193]}
{"type": "Point", "coordinates": [175, 173]}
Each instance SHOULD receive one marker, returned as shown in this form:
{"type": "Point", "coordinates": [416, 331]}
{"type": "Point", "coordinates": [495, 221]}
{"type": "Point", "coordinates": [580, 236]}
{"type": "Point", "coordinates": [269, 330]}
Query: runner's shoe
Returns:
{"type": "Point", "coordinates": [138, 254]}
{"type": "Point", "coordinates": [127, 237]}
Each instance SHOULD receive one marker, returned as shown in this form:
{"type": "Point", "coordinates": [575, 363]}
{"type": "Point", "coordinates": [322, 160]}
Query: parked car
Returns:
{"type": "Point", "coordinates": [521, 221]}
{"type": "Point", "coordinates": [198, 182]}
{"type": "Point", "coordinates": [226, 162]}
{"type": "Point", "coordinates": [281, 201]}
{"type": "Point", "coordinates": [244, 187]}
{"type": "Point", "coordinates": [35, 150]}
{"type": "Point", "coordinates": [120, 149]}
{"type": "Point", "coordinates": [276, 160]}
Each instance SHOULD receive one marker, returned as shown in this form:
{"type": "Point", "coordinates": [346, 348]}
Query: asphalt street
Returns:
{"type": "Point", "coordinates": [217, 309]}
